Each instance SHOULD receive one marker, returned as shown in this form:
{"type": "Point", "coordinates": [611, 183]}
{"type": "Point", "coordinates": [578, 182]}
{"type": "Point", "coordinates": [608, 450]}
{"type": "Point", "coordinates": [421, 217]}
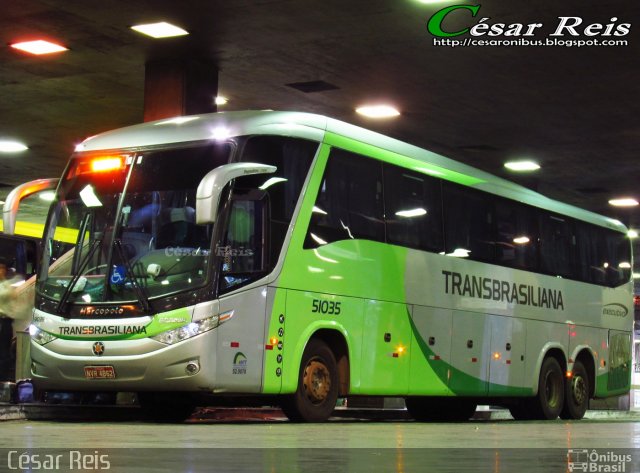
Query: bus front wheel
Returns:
{"type": "Point", "coordinates": [576, 396]}
{"type": "Point", "coordinates": [317, 392]}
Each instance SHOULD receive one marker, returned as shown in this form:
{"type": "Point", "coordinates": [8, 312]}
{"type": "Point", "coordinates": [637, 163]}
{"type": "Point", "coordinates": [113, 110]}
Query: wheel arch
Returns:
{"type": "Point", "coordinates": [335, 336]}
{"type": "Point", "coordinates": [585, 356]}
{"type": "Point", "coordinates": [553, 350]}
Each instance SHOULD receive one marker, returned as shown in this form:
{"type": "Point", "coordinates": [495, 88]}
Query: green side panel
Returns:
{"type": "Point", "coordinates": [308, 312]}
{"type": "Point", "coordinates": [619, 378]}
{"type": "Point", "coordinates": [358, 268]}
{"type": "Point", "coordinates": [619, 361]}
{"type": "Point", "coordinates": [273, 358]}
{"type": "Point", "coordinates": [353, 273]}
{"type": "Point", "coordinates": [386, 348]}
{"type": "Point", "coordinates": [466, 384]}
{"type": "Point", "coordinates": [400, 160]}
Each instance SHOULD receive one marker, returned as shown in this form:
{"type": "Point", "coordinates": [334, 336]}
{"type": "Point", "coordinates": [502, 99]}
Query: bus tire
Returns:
{"type": "Point", "coordinates": [576, 395]}
{"type": "Point", "coordinates": [166, 407]}
{"type": "Point", "coordinates": [438, 409]}
{"type": "Point", "coordinates": [317, 392]}
{"type": "Point", "coordinates": [549, 402]}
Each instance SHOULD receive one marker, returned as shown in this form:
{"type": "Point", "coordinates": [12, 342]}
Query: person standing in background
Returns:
{"type": "Point", "coordinates": [7, 297]}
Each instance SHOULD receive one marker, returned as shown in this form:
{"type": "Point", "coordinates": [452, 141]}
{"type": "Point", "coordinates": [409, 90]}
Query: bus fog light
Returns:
{"type": "Point", "coordinates": [40, 336]}
{"type": "Point", "coordinates": [192, 329]}
{"type": "Point", "coordinates": [192, 368]}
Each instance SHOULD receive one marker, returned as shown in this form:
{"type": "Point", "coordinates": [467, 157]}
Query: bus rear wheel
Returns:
{"type": "Point", "coordinates": [438, 409]}
{"type": "Point", "coordinates": [317, 392]}
{"type": "Point", "coordinates": [549, 401]}
{"type": "Point", "coordinates": [576, 396]}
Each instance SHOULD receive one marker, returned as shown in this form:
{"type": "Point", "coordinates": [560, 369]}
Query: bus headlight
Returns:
{"type": "Point", "coordinates": [191, 330]}
{"type": "Point", "coordinates": [40, 336]}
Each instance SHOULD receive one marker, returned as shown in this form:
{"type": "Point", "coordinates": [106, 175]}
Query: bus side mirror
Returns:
{"type": "Point", "coordinates": [12, 202]}
{"type": "Point", "coordinates": [211, 185]}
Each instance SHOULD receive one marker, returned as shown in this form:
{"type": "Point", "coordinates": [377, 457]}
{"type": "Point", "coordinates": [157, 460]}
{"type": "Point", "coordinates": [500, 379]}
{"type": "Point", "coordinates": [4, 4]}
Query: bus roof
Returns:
{"type": "Point", "coordinates": [223, 125]}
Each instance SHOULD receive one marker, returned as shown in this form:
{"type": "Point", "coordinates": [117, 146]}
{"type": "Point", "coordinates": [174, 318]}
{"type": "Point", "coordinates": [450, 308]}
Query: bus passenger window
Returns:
{"type": "Point", "coordinates": [557, 247]}
{"type": "Point", "coordinates": [468, 223]}
{"type": "Point", "coordinates": [413, 211]}
{"type": "Point", "coordinates": [516, 235]}
{"type": "Point", "coordinates": [349, 204]}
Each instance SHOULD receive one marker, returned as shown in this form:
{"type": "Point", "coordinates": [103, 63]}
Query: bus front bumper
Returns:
{"type": "Point", "coordinates": [140, 365]}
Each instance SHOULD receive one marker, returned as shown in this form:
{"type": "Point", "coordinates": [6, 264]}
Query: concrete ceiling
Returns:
{"type": "Point", "coordinates": [574, 110]}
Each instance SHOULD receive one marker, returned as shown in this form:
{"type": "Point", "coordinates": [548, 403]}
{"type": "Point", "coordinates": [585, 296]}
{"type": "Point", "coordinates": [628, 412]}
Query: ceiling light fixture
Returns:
{"type": "Point", "coordinates": [39, 47]}
{"type": "Point", "coordinates": [632, 234]}
{"type": "Point", "coordinates": [220, 100]}
{"type": "Point", "coordinates": [378, 111]}
{"type": "Point", "coordinates": [160, 30]}
{"type": "Point", "coordinates": [624, 202]}
{"type": "Point", "coordinates": [7, 146]}
{"type": "Point", "coordinates": [522, 166]}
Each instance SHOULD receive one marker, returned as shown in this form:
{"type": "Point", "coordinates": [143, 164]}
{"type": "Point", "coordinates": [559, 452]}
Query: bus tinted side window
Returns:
{"type": "Point", "coordinates": [413, 209]}
{"type": "Point", "coordinates": [349, 204]}
{"type": "Point", "coordinates": [617, 259]}
{"type": "Point", "coordinates": [516, 235]}
{"type": "Point", "coordinates": [468, 223]}
{"type": "Point", "coordinates": [557, 246]}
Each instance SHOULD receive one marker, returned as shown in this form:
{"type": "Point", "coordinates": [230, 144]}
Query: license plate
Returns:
{"type": "Point", "coordinates": [99, 372]}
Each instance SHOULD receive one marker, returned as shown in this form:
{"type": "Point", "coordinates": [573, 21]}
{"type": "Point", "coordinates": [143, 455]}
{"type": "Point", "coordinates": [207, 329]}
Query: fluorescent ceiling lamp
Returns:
{"type": "Point", "coordinates": [522, 166]}
{"type": "Point", "coordinates": [160, 30]}
{"type": "Point", "coordinates": [12, 146]}
{"type": "Point", "coordinates": [271, 181]}
{"type": "Point", "coordinates": [47, 196]}
{"type": "Point", "coordinates": [177, 121]}
{"type": "Point", "coordinates": [624, 265]}
{"type": "Point", "coordinates": [39, 47]}
{"type": "Point", "coordinates": [318, 210]}
{"type": "Point", "coordinates": [378, 111]}
{"type": "Point", "coordinates": [521, 240]}
{"type": "Point", "coordinates": [220, 100]}
{"type": "Point", "coordinates": [411, 213]}
{"type": "Point", "coordinates": [636, 275]}
{"type": "Point", "coordinates": [632, 234]}
{"type": "Point", "coordinates": [624, 202]}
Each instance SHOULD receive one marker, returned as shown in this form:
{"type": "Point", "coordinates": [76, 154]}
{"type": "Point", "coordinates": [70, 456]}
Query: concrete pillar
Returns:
{"type": "Point", "coordinates": [174, 87]}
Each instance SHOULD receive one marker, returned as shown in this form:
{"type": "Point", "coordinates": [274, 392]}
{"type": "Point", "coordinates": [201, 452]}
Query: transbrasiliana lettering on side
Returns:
{"type": "Point", "coordinates": [502, 291]}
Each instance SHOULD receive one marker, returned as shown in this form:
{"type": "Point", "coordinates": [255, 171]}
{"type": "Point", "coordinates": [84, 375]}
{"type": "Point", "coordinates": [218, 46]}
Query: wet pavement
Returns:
{"type": "Point", "coordinates": [271, 444]}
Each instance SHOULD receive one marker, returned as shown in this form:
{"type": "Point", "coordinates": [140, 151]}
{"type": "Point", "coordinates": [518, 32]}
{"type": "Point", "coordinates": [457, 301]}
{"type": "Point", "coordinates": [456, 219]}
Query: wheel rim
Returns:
{"type": "Point", "coordinates": [316, 381]}
{"type": "Point", "coordinates": [552, 389]}
{"type": "Point", "coordinates": [579, 389]}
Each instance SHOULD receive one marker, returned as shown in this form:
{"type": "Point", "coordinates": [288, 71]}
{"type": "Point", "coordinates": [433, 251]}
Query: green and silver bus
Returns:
{"type": "Point", "coordinates": [296, 258]}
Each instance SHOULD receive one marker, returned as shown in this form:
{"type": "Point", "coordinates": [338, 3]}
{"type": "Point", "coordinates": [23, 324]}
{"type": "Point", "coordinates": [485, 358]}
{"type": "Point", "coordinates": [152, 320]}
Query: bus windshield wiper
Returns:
{"type": "Point", "coordinates": [83, 263]}
{"type": "Point", "coordinates": [140, 292]}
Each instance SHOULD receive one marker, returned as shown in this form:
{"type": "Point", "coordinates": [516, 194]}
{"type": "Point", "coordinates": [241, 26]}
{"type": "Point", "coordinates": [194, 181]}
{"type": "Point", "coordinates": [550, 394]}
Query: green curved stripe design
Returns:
{"type": "Point", "coordinates": [472, 386]}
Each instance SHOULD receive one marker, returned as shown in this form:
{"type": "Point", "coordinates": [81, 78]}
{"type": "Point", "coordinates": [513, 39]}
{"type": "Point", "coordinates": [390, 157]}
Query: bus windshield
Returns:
{"type": "Point", "coordinates": [132, 217]}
